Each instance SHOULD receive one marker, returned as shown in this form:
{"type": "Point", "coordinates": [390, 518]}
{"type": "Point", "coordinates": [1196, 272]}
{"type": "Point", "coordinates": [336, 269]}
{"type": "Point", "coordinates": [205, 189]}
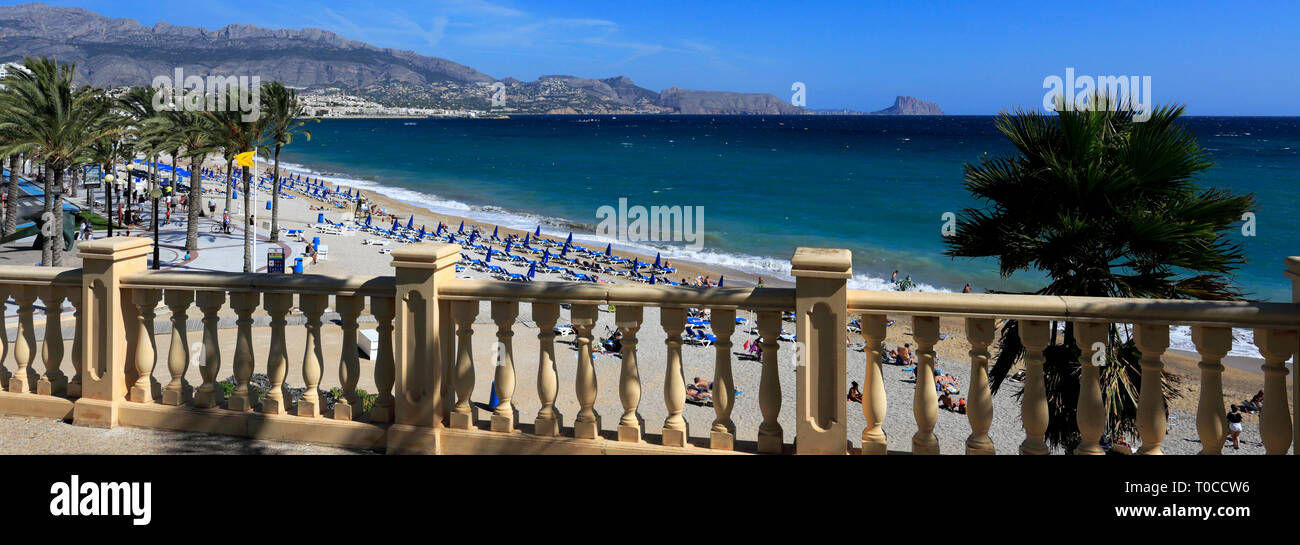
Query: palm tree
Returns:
{"type": "Point", "coordinates": [1104, 206]}
{"type": "Point", "coordinates": [285, 118]}
{"type": "Point", "coordinates": [238, 133]}
{"type": "Point", "coordinates": [44, 112]}
{"type": "Point", "coordinates": [197, 135]}
{"type": "Point", "coordinates": [11, 202]}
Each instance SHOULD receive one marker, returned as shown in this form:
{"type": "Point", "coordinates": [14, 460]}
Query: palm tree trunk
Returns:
{"type": "Point", "coordinates": [47, 219]}
{"type": "Point", "coordinates": [76, 173]}
{"type": "Point", "coordinates": [248, 229]}
{"type": "Point", "coordinates": [56, 248]}
{"type": "Point", "coordinates": [275, 198]}
{"type": "Point", "coordinates": [11, 205]}
{"type": "Point", "coordinates": [196, 203]}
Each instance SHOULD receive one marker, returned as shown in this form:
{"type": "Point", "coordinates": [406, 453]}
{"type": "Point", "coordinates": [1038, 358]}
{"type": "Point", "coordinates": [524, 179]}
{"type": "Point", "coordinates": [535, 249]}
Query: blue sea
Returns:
{"type": "Point", "coordinates": [878, 186]}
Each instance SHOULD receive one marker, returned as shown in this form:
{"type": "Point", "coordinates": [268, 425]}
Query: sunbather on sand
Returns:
{"type": "Point", "coordinates": [854, 393]}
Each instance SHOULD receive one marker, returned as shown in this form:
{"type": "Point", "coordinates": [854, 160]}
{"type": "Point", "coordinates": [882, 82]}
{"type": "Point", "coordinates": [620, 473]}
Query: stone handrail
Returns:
{"type": "Point", "coordinates": [425, 371]}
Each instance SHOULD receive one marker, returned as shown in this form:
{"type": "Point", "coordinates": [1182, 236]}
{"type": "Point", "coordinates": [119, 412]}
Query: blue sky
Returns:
{"type": "Point", "coordinates": [974, 57]}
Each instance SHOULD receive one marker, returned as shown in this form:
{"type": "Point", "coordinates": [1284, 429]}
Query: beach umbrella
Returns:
{"type": "Point", "coordinates": [367, 219]}
{"type": "Point", "coordinates": [532, 269]}
{"type": "Point", "coordinates": [538, 232]}
{"type": "Point", "coordinates": [472, 235]}
{"type": "Point", "coordinates": [564, 250]}
{"type": "Point", "coordinates": [636, 264]}
{"type": "Point", "coordinates": [657, 260]}
{"type": "Point", "coordinates": [489, 257]}
{"type": "Point", "coordinates": [608, 248]}
{"type": "Point", "coordinates": [421, 232]}
{"type": "Point", "coordinates": [462, 227]}
{"type": "Point", "coordinates": [652, 280]}
{"type": "Point", "coordinates": [527, 237]}
{"type": "Point", "coordinates": [509, 243]}
{"type": "Point", "coordinates": [546, 255]}
{"type": "Point", "coordinates": [395, 226]}
{"type": "Point", "coordinates": [720, 279]}
{"type": "Point", "coordinates": [410, 222]}
{"type": "Point", "coordinates": [569, 240]}
{"type": "Point", "coordinates": [494, 232]}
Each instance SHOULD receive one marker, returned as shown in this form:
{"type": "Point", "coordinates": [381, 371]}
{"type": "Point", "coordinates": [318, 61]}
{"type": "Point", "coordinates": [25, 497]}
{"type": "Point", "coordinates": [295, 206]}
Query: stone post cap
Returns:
{"type": "Point", "coordinates": [116, 248]}
{"type": "Point", "coordinates": [426, 255]}
{"type": "Point", "coordinates": [821, 263]}
{"type": "Point", "coordinates": [1293, 267]}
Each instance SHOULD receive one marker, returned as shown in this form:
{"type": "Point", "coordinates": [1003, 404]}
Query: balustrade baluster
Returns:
{"type": "Point", "coordinates": [675, 431]}
{"type": "Point", "coordinates": [1034, 336]}
{"type": "Point", "coordinates": [277, 400]}
{"type": "Point", "coordinates": [1276, 345]}
{"type": "Point", "coordinates": [549, 420]}
{"type": "Point", "coordinates": [383, 310]}
{"type": "Point", "coordinates": [312, 305]}
{"type": "Point", "coordinates": [722, 435]}
{"type": "Point", "coordinates": [146, 350]}
{"type": "Point", "coordinates": [349, 308]}
{"type": "Point", "coordinates": [979, 402]}
{"type": "Point", "coordinates": [178, 391]}
{"type": "Point", "coordinates": [464, 414]}
{"type": "Point", "coordinates": [504, 314]}
{"type": "Point", "coordinates": [873, 385]}
{"type": "Point", "coordinates": [53, 381]}
{"type": "Point", "coordinates": [78, 341]}
{"type": "Point", "coordinates": [628, 319]}
{"type": "Point", "coordinates": [25, 345]}
{"type": "Point", "coordinates": [209, 393]}
{"type": "Point", "coordinates": [925, 402]}
{"type": "Point", "coordinates": [1213, 343]}
{"type": "Point", "coordinates": [771, 438]}
{"type": "Point", "coordinates": [5, 375]}
{"type": "Point", "coordinates": [586, 425]}
{"type": "Point", "coordinates": [1091, 413]}
{"type": "Point", "coordinates": [1152, 419]}
{"type": "Point", "coordinates": [243, 303]}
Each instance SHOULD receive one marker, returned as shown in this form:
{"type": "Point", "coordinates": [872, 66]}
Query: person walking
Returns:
{"type": "Point", "coordinates": [1234, 428]}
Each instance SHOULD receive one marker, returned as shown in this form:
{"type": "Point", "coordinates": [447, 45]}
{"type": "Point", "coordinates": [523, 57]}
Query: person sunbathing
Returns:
{"type": "Point", "coordinates": [945, 402]}
{"type": "Point", "coordinates": [698, 395]}
{"type": "Point", "coordinates": [702, 385]}
{"type": "Point", "coordinates": [854, 393]}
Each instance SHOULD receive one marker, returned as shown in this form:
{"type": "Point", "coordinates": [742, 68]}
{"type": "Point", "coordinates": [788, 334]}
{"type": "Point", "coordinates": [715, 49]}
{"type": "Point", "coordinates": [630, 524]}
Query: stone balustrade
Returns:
{"type": "Point", "coordinates": [424, 367]}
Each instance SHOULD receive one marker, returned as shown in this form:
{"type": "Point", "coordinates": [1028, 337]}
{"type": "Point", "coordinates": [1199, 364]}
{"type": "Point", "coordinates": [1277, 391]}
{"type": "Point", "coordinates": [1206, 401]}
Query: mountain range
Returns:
{"type": "Point", "coordinates": [115, 52]}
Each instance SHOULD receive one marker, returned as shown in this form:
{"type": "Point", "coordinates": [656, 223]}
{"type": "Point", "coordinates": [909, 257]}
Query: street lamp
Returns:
{"type": "Point", "coordinates": [155, 194]}
{"type": "Point", "coordinates": [108, 201]}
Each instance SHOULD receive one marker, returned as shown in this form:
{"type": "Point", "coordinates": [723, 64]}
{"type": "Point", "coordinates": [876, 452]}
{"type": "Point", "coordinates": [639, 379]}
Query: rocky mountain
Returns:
{"type": "Point", "coordinates": [115, 52]}
{"type": "Point", "coordinates": [910, 106]}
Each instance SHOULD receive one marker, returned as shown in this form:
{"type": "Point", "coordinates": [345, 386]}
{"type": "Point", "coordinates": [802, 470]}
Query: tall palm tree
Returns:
{"type": "Point", "coordinates": [239, 133]}
{"type": "Point", "coordinates": [11, 202]}
{"type": "Point", "coordinates": [285, 118]}
{"type": "Point", "coordinates": [1104, 206]}
{"type": "Point", "coordinates": [45, 112]}
{"type": "Point", "coordinates": [196, 134]}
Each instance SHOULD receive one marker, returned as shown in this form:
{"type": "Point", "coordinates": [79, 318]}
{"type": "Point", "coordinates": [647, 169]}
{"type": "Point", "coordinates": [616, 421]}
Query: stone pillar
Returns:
{"type": "Point", "coordinates": [146, 352]}
{"type": "Point", "coordinates": [874, 402]}
{"type": "Point", "coordinates": [178, 390]}
{"type": "Point", "coordinates": [549, 420]}
{"type": "Point", "coordinates": [821, 317]}
{"type": "Point", "coordinates": [504, 416]}
{"type": "Point", "coordinates": [349, 307]}
{"type": "Point", "coordinates": [722, 435]}
{"type": "Point", "coordinates": [78, 342]}
{"type": "Point", "coordinates": [53, 381]}
{"type": "Point", "coordinates": [586, 424]}
{"type": "Point", "coordinates": [5, 375]}
{"type": "Point", "coordinates": [243, 303]}
{"type": "Point", "coordinates": [1152, 417]}
{"type": "Point", "coordinates": [382, 308]}
{"type": "Point", "coordinates": [465, 414]}
{"type": "Point", "coordinates": [628, 319]}
{"type": "Point", "coordinates": [24, 376]}
{"type": "Point", "coordinates": [277, 359]}
{"type": "Point", "coordinates": [1276, 345]}
{"type": "Point", "coordinates": [1035, 336]}
{"type": "Point", "coordinates": [210, 394]}
{"type": "Point", "coordinates": [1213, 343]}
{"type": "Point", "coordinates": [675, 430]}
{"type": "Point", "coordinates": [1091, 412]}
{"type": "Point", "coordinates": [979, 402]}
{"type": "Point", "coordinates": [925, 401]}
{"type": "Point", "coordinates": [771, 437]}
{"type": "Point", "coordinates": [423, 346]}
{"type": "Point", "coordinates": [313, 306]}
{"type": "Point", "coordinates": [107, 315]}
{"type": "Point", "coordinates": [1293, 272]}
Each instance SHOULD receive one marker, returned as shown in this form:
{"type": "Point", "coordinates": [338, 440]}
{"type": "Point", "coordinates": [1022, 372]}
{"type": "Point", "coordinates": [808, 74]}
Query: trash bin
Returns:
{"type": "Point", "coordinates": [315, 242]}
{"type": "Point", "coordinates": [297, 265]}
{"type": "Point", "coordinates": [268, 205]}
{"type": "Point", "coordinates": [320, 218]}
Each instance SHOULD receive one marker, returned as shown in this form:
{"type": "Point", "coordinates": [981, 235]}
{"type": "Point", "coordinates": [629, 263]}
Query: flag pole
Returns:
{"type": "Point", "coordinates": [252, 212]}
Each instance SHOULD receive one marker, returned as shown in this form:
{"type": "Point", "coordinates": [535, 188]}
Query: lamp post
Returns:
{"type": "Point", "coordinates": [108, 201]}
{"type": "Point", "coordinates": [155, 194]}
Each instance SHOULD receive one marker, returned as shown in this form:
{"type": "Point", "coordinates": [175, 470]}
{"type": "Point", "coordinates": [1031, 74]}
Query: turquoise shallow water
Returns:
{"type": "Point", "coordinates": [875, 185]}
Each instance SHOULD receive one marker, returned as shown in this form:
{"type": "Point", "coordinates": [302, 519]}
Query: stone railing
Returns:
{"type": "Point", "coordinates": [425, 369]}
